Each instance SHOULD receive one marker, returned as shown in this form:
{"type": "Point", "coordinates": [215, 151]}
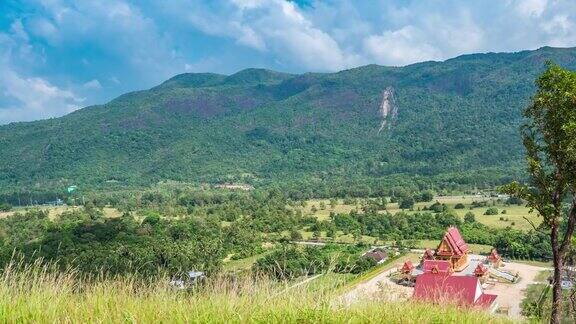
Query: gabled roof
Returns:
{"type": "Point", "coordinates": [494, 256]}
{"type": "Point", "coordinates": [428, 255]}
{"type": "Point", "coordinates": [407, 267]}
{"type": "Point", "coordinates": [436, 266]}
{"type": "Point", "coordinates": [455, 242]}
{"type": "Point", "coordinates": [480, 270]}
{"type": "Point", "coordinates": [463, 290]}
{"type": "Point", "coordinates": [376, 255]}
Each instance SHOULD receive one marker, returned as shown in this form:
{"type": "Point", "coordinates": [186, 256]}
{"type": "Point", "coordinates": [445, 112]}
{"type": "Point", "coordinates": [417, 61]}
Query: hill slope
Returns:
{"type": "Point", "coordinates": [456, 123]}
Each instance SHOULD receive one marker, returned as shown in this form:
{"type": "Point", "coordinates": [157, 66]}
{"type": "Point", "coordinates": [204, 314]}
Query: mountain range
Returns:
{"type": "Point", "coordinates": [427, 125]}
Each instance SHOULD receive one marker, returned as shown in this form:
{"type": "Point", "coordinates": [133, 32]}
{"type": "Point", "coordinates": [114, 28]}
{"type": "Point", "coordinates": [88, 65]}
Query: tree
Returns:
{"type": "Point", "coordinates": [5, 207]}
{"type": "Point", "coordinates": [407, 203]}
{"type": "Point", "coordinates": [469, 217]}
{"type": "Point", "coordinates": [491, 211]}
{"type": "Point", "coordinates": [550, 141]}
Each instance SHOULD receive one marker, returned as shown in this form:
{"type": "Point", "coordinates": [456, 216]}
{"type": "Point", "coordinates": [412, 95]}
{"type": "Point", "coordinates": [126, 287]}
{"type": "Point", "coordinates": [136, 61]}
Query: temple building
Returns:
{"type": "Point", "coordinates": [437, 266]}
{"type": "Point", "coordinates": [453, 249]}
{"type": "Point", "coordinates": [461, 290]}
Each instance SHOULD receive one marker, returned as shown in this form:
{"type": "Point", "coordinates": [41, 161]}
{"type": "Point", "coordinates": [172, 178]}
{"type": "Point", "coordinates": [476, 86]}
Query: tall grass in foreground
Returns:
{"type": "Point", "coordinates": [39, 294]}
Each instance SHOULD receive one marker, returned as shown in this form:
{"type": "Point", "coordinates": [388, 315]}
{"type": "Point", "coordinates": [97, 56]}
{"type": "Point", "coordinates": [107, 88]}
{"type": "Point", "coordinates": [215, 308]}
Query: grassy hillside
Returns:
{"type": "Point", "coordinates": [36, 294]}
{"type": "Point", "coordinates": [457, 124]}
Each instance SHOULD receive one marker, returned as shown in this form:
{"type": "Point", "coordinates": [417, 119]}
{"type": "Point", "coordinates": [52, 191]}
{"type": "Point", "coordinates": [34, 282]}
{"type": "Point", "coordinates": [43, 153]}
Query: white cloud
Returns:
{"type": "Point", "coordinates": [531, 8]}
{"type": "Point", "coordinates": [137, 44]}
{"type": "Point", "coordinates": [92, 85]}
{"type": "Point", "coordinates": [35, 97]}
{"type": "Point", "coordinates": [400, 47]}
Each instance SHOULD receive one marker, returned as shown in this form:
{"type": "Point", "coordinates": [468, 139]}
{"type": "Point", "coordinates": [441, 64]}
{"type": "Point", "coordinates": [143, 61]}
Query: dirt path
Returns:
{"type": "Point", "coordinates": [511, 295]}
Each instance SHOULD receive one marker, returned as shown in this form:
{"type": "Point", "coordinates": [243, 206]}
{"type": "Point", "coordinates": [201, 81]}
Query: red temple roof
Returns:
{"type": "Point", "coordinates": [480, 270]}
{"type": "Point", "coordinates": [455, 241]}
{"type": "Point", "coordinates": [436, 266]}
{"type": "Point", "coordinates": [407, 267]}
{"type": "Point", "coordinates": [428, 255]}
{"type": "Point", "coordinates": [463, 290]}
{"type": "Point", "coordinates": [494, 256]}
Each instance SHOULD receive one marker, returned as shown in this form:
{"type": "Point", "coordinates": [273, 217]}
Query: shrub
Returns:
{"type": "Point", "coordinates": [491, 211]}
{"type": "Point", "coordinates": [469, 217]}
{"type": "Point", "coordinates": [407, 203]}
{"type": "Point", "coordinates": [5, 207]}
{"type": "Point", "coordinates": [459, 206]}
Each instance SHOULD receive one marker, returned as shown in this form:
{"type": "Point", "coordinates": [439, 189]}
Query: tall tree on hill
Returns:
{"type": "Point", "coordinates": [550, 140]}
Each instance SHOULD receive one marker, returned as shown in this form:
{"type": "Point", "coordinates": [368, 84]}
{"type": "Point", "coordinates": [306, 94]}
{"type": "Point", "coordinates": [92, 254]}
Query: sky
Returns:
{"type": "Point", "coordinates": [57, 56]}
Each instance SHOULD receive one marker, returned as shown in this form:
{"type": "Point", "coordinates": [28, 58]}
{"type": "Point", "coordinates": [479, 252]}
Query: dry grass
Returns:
{"type": "Point", "coordinates": [515, 216]}
{"type": "Point", "coordinates": [39, 294]}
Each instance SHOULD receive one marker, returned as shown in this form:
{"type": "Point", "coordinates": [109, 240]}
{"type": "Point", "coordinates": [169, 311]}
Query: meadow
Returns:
{"type": "Point", "coordinates": [514, 216]}
{"type": "Point", "coordinates": [38, 294]}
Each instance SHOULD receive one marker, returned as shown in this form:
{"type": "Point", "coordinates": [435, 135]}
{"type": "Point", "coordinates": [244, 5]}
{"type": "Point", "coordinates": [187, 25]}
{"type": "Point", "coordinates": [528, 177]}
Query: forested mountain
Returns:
{"type": "Point", "coordinates": [448, 123]}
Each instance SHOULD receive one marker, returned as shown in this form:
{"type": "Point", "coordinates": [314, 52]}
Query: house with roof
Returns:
{"type": "Point", "coordinates": [465, 291]}
{"type": "Point", "coordinates": [453, 249]}
{"type": "Point", "coordinates": [379, 255]}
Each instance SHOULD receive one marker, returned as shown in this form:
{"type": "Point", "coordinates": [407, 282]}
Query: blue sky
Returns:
{"type": "Point", "coordinates": [60, 55]}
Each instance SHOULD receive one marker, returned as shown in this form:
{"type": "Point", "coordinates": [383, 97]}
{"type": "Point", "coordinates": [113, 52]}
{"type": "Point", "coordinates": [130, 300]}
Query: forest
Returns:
{"type": "Point", "coordinates": [176, 230]}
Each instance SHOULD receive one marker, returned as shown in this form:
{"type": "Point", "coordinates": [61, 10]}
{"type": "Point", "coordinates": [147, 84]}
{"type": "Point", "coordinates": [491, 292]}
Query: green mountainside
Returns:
{"type": "Point", "coordinates": [457, 125]}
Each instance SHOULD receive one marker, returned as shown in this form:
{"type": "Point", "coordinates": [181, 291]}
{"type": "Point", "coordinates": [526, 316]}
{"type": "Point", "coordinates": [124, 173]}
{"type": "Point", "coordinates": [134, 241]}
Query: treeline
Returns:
{"type": "Point", "coordinates": [180, 229]}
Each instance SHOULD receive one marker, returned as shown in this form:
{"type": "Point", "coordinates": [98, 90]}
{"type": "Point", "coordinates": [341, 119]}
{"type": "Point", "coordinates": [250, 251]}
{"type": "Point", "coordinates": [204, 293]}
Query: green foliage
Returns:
{"type": "Point", "coordinates": [459, 206]}
{"type": "Point", "coordinates": [289, 262]}
{"type": "Point", "coordinates": [407, 203]}
{"type": "Point", "coordinates": [303, 133]}
{"type": "Point", "coordinates": [5, 207]}
{"type": "Point", "coordinates": [469, 217]}
{"type": "Point", "coordinates": [491, 211]}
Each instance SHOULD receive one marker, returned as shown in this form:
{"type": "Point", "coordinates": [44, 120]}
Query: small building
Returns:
{"type": "Point", "coordinates": [188, 279]}
{"type": "Point", "coordinates": [428, 255]}
{"type": "Point", "coordinates": [481, 272]}
{"type": "Point", "coordinates": [453, 249]}
{"type": "Point", "coordinates": [407, 267]}
{"type": "Point", "coordinates": [494, 259]}
{"type": "Point", "coordinates": [465, 291]}
{"type": "Point", "coordinates": [379, 255]}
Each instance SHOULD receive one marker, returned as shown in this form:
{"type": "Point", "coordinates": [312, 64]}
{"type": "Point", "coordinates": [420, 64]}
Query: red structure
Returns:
{"type": "Point", "coordinates": [428, 255]}
{"type": "Point", "coordinates": [407, 267]}
{"type": "Point", "coordinates": [494, 258]}
{"type": "Point", "coordinates": [437, 267]}
{"type": "Point", "coordinates": [452, 248]}
{"type": "Point", "coordinates": [480, 270]}
{"type": "Point", "coordinates": [461, 290]}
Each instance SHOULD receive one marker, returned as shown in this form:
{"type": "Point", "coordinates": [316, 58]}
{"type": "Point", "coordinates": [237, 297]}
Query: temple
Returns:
{"type": "Point", "coordinates": [453, 249]}
{"type": "Point", "coordinates": [450, 274]}
{"type": "Point", "coordinates": [461, 290]}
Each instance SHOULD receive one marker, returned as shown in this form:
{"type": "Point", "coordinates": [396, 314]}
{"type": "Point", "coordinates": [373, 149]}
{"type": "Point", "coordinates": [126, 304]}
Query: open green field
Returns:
{"type": "Point", "coordinates": [55, 211]}
{"type": "Point", "coordinates": [517, 217]}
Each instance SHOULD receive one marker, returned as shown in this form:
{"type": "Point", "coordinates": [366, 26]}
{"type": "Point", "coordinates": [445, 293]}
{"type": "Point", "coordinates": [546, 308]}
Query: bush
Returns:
{"type": "Point", "coordinates": [469, 217]}
{"type": "Point", "coordinates": [459, 206]}
{"type": "Point", "coordinates": [491, 211]}
{"type": "Point", "coordinates": [407, 203]}
{"type": "Point", "coordinates": [5, 207]}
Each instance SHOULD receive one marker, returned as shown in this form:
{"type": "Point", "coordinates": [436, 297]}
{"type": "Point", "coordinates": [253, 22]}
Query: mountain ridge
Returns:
{"type": "Point", "coordinates": [457, 125]}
